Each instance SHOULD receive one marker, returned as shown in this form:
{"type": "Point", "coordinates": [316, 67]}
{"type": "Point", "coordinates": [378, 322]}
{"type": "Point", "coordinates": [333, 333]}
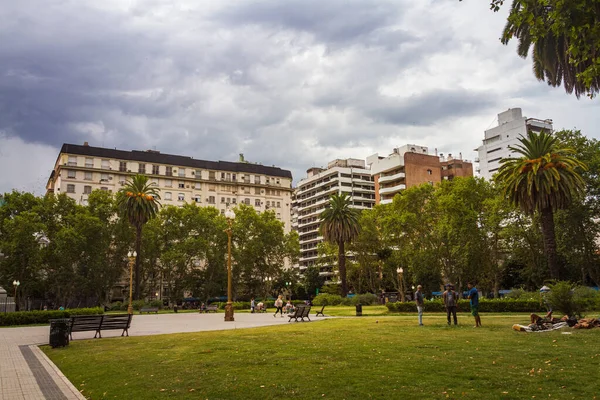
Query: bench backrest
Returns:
{"type": "Point", "coordinates": [212, 307]}
{"type": "Point", "coordinates": [305, 312]}
{"type": "Point", "coordinates": [116, 321]}
{"type": "Point", "coordinates": [85, 322]}
{"type": "Point", "coordinates": [298, 311]}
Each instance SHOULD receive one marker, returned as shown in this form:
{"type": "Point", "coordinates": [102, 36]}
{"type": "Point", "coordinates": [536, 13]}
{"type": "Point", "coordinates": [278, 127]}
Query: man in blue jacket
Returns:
{"type": "Point", "coordinates": [474, 302]}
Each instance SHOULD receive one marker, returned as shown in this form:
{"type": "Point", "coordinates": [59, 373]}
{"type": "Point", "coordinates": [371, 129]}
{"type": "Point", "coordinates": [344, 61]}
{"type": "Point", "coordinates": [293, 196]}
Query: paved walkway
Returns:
{"type": "Point", "coordinates": [27, 374]}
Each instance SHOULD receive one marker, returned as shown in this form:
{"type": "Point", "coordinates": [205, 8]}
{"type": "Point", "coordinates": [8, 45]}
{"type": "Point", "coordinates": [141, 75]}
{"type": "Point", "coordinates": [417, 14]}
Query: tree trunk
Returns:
{"type": "Point", "coordinates": [547, 222]}
{"type": "Point", "coordinates": [138, 250]}
{"type": "Point", "coordinates": [342, 268]}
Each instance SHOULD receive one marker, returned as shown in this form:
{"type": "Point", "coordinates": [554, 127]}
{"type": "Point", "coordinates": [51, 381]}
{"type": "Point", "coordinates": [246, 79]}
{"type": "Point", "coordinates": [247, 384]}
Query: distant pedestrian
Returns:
{"type": "Point", "coordinates": [420, 303]}
{"type": "Point", "coordinates": [252, 305]}
{"type": "Point", "coordinates": [279, 305]}
{"type": "Point", "coordinates": [450, 299]}
{"type": "Point", "coordinates": [474, 303]}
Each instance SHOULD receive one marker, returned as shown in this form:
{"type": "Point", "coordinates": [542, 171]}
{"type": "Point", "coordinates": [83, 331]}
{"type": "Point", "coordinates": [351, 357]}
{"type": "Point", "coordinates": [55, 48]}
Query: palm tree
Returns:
{"type": "Point", "coordinates": [339, 225]}
{"type": "Point", "coordinates": [551, 55]}
{"type": "Point", "coordinates": [544, 179]}
{"type": "Point", "coordinates": [138, 202]}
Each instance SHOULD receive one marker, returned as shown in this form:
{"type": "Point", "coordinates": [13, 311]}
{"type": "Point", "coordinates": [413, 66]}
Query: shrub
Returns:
{"type": "Point", "coordinates": [364, 299]}
{"type": "Point", "coordinates": [138, 304]}
{"type": "Point", "coordinates": [44, 317]}
{"type": "Point", "coordinates": [485, 305]}
{"type": "Point", "coordinates": [155, 303]}
{"type": "Point", "coordinates": [325, 299]}
{"type": "Point", "coordinates": [117, 306]}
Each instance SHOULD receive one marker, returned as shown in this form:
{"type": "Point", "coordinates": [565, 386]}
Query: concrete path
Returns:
{"type": "Point", "coordinates": [27, 374]}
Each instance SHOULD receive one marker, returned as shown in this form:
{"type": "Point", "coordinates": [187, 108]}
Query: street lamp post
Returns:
{"type": "Point", "coordinates": [230, 215]}
{"type": "Point", "coordinates": [131, 256]}
{"type": "Point", "coordinates": [288, 287]}
{"type": "Point", "coordinates": [16, 285]}
{"type": "Point", "coordinates": [400, 272]}
{"type": "Point", "coordinates": [268, 280]}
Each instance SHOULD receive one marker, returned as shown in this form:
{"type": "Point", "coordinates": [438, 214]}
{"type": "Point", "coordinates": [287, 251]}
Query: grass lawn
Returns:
{"type": "Point", "coordinates": [384, 357]}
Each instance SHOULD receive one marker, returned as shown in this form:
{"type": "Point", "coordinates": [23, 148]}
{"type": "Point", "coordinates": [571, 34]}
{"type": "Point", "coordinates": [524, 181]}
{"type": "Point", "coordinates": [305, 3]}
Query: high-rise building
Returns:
{"type": "Point", "coordinates": [412, 165]}
{"type": "Point", "coordinates": [81, 169]}
{"type": "Point", "coordinates": [312, 195]}
{"type": "Point", "coordinates": [512, 126]}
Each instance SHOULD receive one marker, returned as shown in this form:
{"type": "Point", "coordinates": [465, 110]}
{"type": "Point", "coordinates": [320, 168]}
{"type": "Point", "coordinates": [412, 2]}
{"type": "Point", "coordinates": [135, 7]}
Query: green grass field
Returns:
{"type": "Point", "coordinates": [385, 357]}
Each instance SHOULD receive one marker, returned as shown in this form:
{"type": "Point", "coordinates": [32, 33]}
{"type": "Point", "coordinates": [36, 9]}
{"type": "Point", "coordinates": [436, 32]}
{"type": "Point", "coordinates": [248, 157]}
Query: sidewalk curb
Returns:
{"type": "Point", "coordinates": [55, 372]}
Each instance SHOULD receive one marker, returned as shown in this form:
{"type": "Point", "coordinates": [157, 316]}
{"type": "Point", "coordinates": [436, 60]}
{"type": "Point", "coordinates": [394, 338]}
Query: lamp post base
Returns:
{"type": "Point", "coordinates": [229, 311]}
{"type": "Point", "coordinates": [129, 309]}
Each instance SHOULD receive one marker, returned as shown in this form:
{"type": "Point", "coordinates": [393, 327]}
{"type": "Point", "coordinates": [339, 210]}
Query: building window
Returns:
{"type": "Point", "coordinates": [278, 204]}
{"type": "Point", "coordinates": [211, 176]}
{"type": "Point", "coordinates": [181, 185]}
{"type": "Point", "coordinates": [169, 171]}
{"type": "Point", "coordinates": [71, 174]}
{"type": "Point", "coordinates": [247, 201]}
{"type": "Point", "coordinates": [181, 197]}
{"type": "Point", "coordinates": [222, 199]}
{"type": "Point", "coordinates": [233, 177]}
{"type": "Point", "coordinates": [168, 196]}
{"type": "Point", "coordinates": [197, 198]}
{"type": "Point", "coordinates": [278, 181]}
{"type": "Point", "coordinates": [88, 176]}
{"type": "Point", "coordinates": [211, 199]}
{"type": "Point", "coordinates": [155, 169]}
{"type": "Point", "coordinates": [72, 161]}
{"type": "Point", "coordinates": [87, 189]}
{"type": "Point", "coordinates": [198, 186]}
{"type": "Point", "coordinates": [182, 172]}
{"type": "Point", "coordinates": [222, 176]}
{"type": "Point", "coordinates": [256, 190]}
{"type": "Point", "coordinates": [233, 201]}
{"type": "Point", "coordinates": [268, 204]}
{"type": "Point", "coordinates": [246, 190]}
{"type": "Point", "coordinates": [431, 183]}
{"type": "Point", "coordinates": [70, 188]}
{"type": "Point", "coordinates": [257, 179]}
{"type": "Point", "coordinates": [168, 182]}
{"type": "Point", "coordinates": [105, 164]}
{"type": "Point", "coordinates": [122, 166]}
{"type": "Point", "coordinates": [257, 202]}
{"type": "Point", "coordinates": [89, 162]}
{"type": "Point", "coordinates": [142, 168]}
{"type": "Point", "coordinates": [212, 188]}
{"type": "Point", "coordinates": [104, 188]}
{"type": "Point", "coordinates": [429, 172]}
{"type": "Point", "coordinates": [103, 177]}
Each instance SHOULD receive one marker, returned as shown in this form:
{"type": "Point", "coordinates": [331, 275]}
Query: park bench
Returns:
{"type": "Point", "coordinates": [320, 312]}
{"type": "Point", "coordinates": [149, 310]}
{"type": "Point", "coordinates": [300, 313]}
{"type": "Point", "coordinates": [210, 308]}
{"type": "Point", "coordinates": [98, 323]}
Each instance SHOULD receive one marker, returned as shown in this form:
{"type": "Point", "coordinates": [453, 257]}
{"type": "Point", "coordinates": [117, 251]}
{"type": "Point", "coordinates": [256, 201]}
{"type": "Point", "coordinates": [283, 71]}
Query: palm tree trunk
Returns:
{"type": "Point", "coordinates": [138, 250]}
{"type": "Point", "coordinates": [342, 267]}
{"type": "Point", "coordinates": [547, 222]}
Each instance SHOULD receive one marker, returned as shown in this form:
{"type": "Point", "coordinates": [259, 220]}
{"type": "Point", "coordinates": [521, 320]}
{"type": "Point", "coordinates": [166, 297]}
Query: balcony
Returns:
{"type": "Point", "coordinates": [392, 189]}
{"type": "Point", "coordinates": [391, 178]}
{"type": "Point", "coordinates": [386, 201]}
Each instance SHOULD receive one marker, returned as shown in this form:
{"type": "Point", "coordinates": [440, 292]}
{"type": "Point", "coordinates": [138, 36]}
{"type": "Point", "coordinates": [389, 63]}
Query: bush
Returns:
{"type": "Point", "coordinates": [366, 299]}
{"type": "Point", "coordinates": [44, 317]}
{"type": "Point", "coordinates": [137, 304]}
{"type": "Point", "coordinates": [325, 299]}
{"type": "Point", "coordinates": [155, 303]}
{"type": "Point", "coordinates": [118, 306]}
{"type": "Point", "coordinates": [485, 305]}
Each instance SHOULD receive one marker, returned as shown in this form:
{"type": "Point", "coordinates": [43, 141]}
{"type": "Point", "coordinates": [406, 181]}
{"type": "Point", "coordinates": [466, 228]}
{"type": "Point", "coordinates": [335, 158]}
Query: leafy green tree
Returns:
{"type": "Point", "coordinates": [339, 225]}
{"type": "Point", "coordinates": [312, 281]}
{"type": "Point", "coordinates": [138, 202]}
{"type": "Point", "coordinates": [544, 179]}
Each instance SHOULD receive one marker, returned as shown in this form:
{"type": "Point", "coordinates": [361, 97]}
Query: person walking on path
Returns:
{"type": "Point", "coordinates": [279, 305]}
{"type": "Point", "coordinates": [474, 303]}
{"type": "Point", "coordinates": [252, 305]}
{"type": "Point", "coordinates": [450, 298]}
{"type": "Point", "coordinates": [420, 304]}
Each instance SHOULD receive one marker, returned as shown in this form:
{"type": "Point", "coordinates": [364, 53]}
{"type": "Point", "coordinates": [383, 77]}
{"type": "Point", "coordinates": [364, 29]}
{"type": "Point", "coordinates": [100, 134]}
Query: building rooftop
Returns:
{"type": "Point", "coordinates": [151, 156]}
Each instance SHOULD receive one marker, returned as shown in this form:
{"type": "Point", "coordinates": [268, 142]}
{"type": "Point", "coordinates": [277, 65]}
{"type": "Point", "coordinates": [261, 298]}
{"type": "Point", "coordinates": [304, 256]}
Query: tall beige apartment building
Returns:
{"type": "Point", "coordinates": [81, 169]}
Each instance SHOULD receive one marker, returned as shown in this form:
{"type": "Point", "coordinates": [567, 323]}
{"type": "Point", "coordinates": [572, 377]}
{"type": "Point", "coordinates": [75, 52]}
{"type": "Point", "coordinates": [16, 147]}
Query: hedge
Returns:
{"type": "Point", "coordinates": [528, 306]}
{"type": "Point", "coordinates": [43, 317]}
{"type": "Point", "coordinates": [136, 305]}
{"type": "Point", "coordinates": [326, 299]}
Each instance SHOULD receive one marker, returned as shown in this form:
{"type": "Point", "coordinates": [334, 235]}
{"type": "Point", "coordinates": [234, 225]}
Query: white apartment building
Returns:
{"type": "Point", "coordinates": [312, 195]}
{"type": "Point", "coordinates": [512, 125]}
{"type": "Point", "coordinates": [81, 169]}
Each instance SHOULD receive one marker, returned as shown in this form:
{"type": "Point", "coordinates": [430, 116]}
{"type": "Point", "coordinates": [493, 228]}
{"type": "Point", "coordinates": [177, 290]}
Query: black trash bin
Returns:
{"type": "Point", "coordinates": [59, 332]}
{"type": "Point", "coordinates": [359, 310]}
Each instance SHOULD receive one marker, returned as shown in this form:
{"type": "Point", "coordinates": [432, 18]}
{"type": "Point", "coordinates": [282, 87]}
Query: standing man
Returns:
{"type": "Point", "coordinates": [419, 301]}
{"type": "Point", "coordinates": [450, 299]}
{"type": "Point", "coordinates": [252, 305]}
{"type": "Point", "coordinates": [474, 302]}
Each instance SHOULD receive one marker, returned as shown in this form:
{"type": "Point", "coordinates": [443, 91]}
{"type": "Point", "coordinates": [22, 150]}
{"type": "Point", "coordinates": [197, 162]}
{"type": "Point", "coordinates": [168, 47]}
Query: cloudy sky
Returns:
{"type": "Point", "coordinates": [292, 83]}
